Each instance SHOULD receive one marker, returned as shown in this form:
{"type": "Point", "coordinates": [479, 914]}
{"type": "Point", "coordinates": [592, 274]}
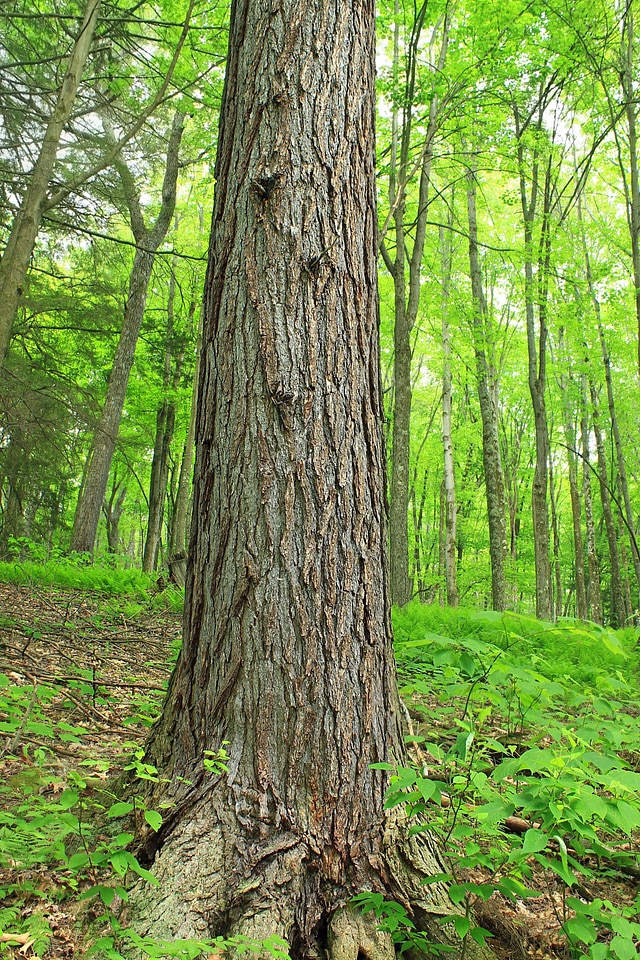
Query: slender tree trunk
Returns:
{"type": "Point", "coordinates": [576, 515]}
{"type": "Point", "coordinates": [165, 426]}
{"type": "Point", "coordinates": [113, 508]}
{"type": "Point", "coordinates": [287, 655]}
{"type": "Point", "coordinates": [407, 300]}
{"type": "Point", "coordinates": [17, 254]}
{"type": "Point", "coordinates": [632, 184]}
{"type": "Point", "coordinates": [491, 458]}
{"type": "Point", "coordinates": [14, 495]}
{"type": "Point", "coordinates": [165, 423]}
{"type": "Point", "coordinates": [179, 521]}
{"type": "Point", "coordinates": [450, 506]}
{"type": "Point", "coordinates": [178, 538]}
{"type": "Point", "coordinates": [594, 593]}
{"type": "Point", "coordinates": [536, 291]}
{"type": "Point", "coordinates": [569, 429]}
{"type": "Point", "coordinates": [96, 473]}
{"type": "Point", "coordinates": [617, 614]}
{"type": "Point", "coordinates": [620, 458]}
{"type": "Point", "coordinates": [555, 527]}
{"type": "Point", "coordinates": [512, 431]}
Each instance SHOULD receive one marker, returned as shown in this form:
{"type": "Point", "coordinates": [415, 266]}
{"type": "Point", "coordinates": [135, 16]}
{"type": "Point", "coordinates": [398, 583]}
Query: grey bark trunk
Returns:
{"type": "Point", "coordinates": [96, 473]}
{"type": "Point", "coordinates": [165, 427]}
{"type": "Point", "coordinates": [406, 305]}
{"type": "Point", "coordinates": [450, 506]}
{"type": "Point", "coordinates": [491, 458]}
{"type": "Point", "coordinates": [287, 655]}
{"type": "Point", "coordinates": [632, 185]}
{"type": "Point", "coordinates": [536, 292]}
{"type": "Point", "coordinates": [618, 612]}
{"type": "Point", "coordinates": [594, 592]}
{"type": "Point", "coordinates": [113, 509]}
{"type": "Point", "coordinates": [165, 424]}
{"type": "Point", "coordinates": [613, 419]}
{"type": "Point", "coordinates": [582, 611]}
{"type": "Point", "coordinates": [178, 544]}
{"type": "Point", "coordinates": [20, 245]}
{"type": "Point", "coordinates": [558, 598]}
{"type": "Point", "coordinates": [178, 539]}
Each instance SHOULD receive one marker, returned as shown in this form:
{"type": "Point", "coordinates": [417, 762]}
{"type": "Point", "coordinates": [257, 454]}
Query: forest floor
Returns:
{"type": "Point", "coordinates": [92, 672]}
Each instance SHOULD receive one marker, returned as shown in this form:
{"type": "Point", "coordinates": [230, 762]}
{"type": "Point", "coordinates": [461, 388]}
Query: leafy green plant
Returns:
{"type": "Point", "coordinates": [76, 574]}
{"type": "Point", "coordinates": [527, 775]}
{"type": "Point", "coordinates": [31, 932]}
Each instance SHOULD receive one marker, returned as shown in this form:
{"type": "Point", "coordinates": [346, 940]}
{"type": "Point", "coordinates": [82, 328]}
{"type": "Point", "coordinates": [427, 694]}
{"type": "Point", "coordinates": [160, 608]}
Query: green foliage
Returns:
{"type": "Point", "coordinates": [78, 574]}
{"type": "Point", "coordinates": [502, 742]}
{"type": "Point", "coordinates": [32, 931]}
{"type": "Point", "coordinates": [83, 832]}
{"type": "Point", "coordinates": [583, 655]}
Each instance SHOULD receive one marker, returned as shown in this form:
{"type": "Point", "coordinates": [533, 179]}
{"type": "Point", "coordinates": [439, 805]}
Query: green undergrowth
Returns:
{"type": "Point", "coordinates": [526, 760]}
{"type": "Point", "coordinates": [129, 591]}
{"type": "Point", "coordinates": [67, 574]}
{"type": "Point", "coordinates": [574, 652]}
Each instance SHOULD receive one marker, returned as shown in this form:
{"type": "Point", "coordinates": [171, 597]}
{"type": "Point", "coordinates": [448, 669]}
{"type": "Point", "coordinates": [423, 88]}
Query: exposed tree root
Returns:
{"type": "Point", "coordinates": [214, 880]}
{"type": "Point", "coordinates": [352, 935]}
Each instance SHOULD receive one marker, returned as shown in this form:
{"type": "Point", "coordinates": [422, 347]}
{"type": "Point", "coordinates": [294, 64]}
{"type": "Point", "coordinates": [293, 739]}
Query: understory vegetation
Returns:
{"type": "Point", "coordinates": [522, 737]}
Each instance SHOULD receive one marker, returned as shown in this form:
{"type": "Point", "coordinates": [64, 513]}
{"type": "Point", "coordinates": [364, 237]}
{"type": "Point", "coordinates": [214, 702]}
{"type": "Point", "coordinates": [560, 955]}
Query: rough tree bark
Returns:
{"type": "Point", "coordinates": [17, 254]}
{"type": "Point", "coordinates": [148, 239]}
{"type": "Point", "coordinates": [287, 654]}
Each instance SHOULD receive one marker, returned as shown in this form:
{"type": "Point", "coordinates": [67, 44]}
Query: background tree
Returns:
{"type": "Point", "coordinates": [148, 239]}
{"type": "Point", "coordinates": [17, 253]}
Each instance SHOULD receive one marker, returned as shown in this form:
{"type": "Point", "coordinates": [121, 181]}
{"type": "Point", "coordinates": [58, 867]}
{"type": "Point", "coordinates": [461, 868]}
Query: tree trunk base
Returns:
{"type": "Point", "coordinates": [214, 880]}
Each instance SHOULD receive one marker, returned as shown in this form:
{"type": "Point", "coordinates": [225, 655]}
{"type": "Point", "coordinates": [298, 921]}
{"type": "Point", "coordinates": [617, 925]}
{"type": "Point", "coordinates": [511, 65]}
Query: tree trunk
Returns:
{"type": "Point", "coordinates": [594, 592]}
{"type": "Point", "coordinates": [620, 458]}
{"type": "Point", "coordinates": [407, 297]}
{"type": "Point", "coordinates": [17, 254]}
{"type": "Point", "coordinates": [558, 600]}
{"type": "Point", "coordinates": [617, 613]}
{"type": "Point", "coordinates": [491, 459]}
{"type": "Point", "coordinates": [179, 521]}
{"type": "Point", "coordinates": [14, 489]}
{"type": "Point", "coordinates": [165, 426]}
{"type": "Point", "coordinates": [113, 508]}
{"type": "Point", "coordinates": [512, 431]}
{"type": "Point", "coordinates": [450, 506]}
{"type": "Point", "coordinates": [576, 511]}
{"type": "Point", "coordinates": [537, 354]}
{"type": "Point", "coordinates": [287, 656]}
{"type": "Point", "coordinates": [178, 536]}
{"type": "Point", "coordinates": [96, 473]}
{"type": "Point", "coordinates": [631, 172]}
